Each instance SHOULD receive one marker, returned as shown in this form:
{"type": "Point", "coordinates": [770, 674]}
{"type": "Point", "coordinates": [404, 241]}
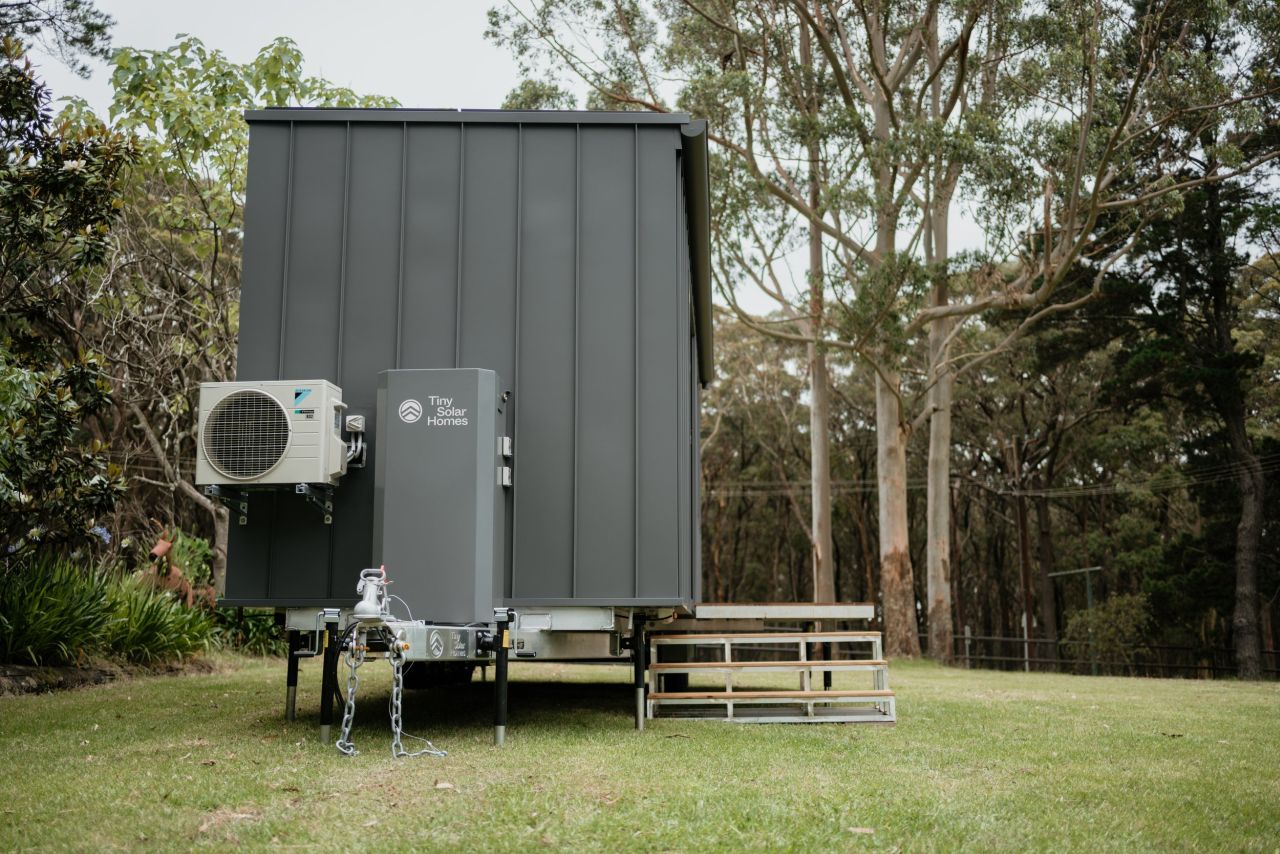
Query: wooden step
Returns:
{"type": "Point", "coordinates": [815, 637]}
{"type": "Point", "coordinates": [787, 665]}
{"type": "Point", "coordinates": [768, 695]}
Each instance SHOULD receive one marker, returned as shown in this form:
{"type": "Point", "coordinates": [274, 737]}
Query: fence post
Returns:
{"type": "Point", "coordinates": [968, 662]}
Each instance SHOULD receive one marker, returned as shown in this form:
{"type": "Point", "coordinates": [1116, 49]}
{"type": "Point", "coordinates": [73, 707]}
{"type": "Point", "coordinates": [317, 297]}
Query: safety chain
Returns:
{"type": "Point", "coordinates": [355, 658]}
{"type": "Point", "coordinates": [397, 689]}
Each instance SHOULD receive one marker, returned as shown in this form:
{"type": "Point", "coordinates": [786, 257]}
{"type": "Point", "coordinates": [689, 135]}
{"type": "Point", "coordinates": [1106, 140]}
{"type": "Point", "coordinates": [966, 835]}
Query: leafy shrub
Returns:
{"type": "Point", "coordinates": [1112, 632]}
{"type": "Point", "coordinates": [194, 555]}
{"type": "Point", "coordinates": [54, 611]}
{"type": "Point", "coordinates": [253, 633]}
{"type": "Point", "coordinates": [148, 626]}
{"type": "Point", "coordinates": [51, 611]}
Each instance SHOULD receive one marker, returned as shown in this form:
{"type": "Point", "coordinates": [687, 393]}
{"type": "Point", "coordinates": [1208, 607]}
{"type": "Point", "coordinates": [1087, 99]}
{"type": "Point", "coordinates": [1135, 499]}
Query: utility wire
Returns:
{"type": "Point", "coordinates": [1268, 463]}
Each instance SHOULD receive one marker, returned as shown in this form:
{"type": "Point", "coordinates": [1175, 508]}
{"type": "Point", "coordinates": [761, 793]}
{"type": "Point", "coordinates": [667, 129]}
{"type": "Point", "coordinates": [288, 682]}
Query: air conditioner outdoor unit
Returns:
{"type": "Point", "coordinates": [263, 433]}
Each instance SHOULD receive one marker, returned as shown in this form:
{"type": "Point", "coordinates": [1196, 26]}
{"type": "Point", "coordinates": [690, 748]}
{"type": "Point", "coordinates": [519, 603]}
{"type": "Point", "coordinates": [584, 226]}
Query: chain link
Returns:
{"type": "Point", "coordinates": [397, 689]}
{"type": "Point", "coordinates": [355, 658]}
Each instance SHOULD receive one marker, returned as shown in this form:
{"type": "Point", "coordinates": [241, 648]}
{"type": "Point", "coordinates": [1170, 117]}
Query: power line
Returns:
{"type": "Point", "coordinates": [1268, 463]}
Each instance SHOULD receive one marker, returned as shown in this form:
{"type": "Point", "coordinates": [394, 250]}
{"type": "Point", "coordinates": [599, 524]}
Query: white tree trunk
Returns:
{"type": "Point", "coordinates": [938, 501]}
{"type": "Point", "coordinates": [938, 549]}
{"type": "Point", "coordinates": [824, 578]}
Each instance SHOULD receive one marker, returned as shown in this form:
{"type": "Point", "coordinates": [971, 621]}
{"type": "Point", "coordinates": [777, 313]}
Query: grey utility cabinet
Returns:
{"type": "Point", "coordinates": [439, 502]}
{"type": "Point", "coordinates": [566, 253]}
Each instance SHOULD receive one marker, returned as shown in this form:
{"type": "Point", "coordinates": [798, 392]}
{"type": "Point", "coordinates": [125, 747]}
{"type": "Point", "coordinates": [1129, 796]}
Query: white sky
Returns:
{"type": "Point", "coordinates": [428, 53]}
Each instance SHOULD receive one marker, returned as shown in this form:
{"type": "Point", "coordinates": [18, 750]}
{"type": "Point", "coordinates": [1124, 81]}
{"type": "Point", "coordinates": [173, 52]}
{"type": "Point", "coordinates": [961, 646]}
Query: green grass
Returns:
{"type": "Point", "coordinates": [979, 761]}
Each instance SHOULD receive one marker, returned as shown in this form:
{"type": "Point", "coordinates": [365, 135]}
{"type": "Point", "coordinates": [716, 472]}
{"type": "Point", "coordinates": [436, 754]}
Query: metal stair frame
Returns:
{"type": "Point", "coordinates": [877, 705]}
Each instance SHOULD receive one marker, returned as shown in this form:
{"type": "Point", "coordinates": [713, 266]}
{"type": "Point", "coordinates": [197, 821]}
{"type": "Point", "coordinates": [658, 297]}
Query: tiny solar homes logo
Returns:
{"type": "Point", "coordinates": [437, 645]}
{"type": "Point", "coordinates": [410, 411]}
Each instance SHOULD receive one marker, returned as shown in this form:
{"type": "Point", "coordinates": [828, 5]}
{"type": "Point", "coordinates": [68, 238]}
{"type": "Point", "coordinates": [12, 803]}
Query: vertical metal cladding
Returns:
{"type": "Point", "coordinates": [560, 250]}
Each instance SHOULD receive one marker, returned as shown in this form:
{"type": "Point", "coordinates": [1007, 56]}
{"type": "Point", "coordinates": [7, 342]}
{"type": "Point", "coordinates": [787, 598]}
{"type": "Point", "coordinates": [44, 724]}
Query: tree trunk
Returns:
{"type": "Point", "coordinates": [824, 581]}
{"type": "Point", "coordinates": [221, 529]}
{"type": "Point", "coordinates": [897, 584]}
{"type": "Point", "coordinates": [938, 551]}
{"type": "Point", "coordinates": [1245, 618]}
{"type": "Point", "coordinates": [1024, 549]}
{"type": "Point", "coordinates": [1048, 564]}
{"type": "Point", "coordinates": [938, 500]}
{"type": "Point", "coordinates": [1228, 397]}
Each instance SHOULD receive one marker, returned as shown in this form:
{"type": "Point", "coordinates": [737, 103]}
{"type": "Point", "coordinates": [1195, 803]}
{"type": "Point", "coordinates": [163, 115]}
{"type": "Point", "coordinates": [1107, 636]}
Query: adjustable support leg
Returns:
{"type": "Point", "coordinates": [824, 652]}
{"type": "Point", "coordinates": [291, 677]}
{"type": "Point", "coordinates": [502, 644]}
{"type": "Point", "coordinates": [329, 678]}
{"type": "Point", "coordinates": [638, 651]}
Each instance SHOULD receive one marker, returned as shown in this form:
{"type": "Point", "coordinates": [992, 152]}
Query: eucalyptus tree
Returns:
{"type": "Point", "coordinates": [1065, 123]}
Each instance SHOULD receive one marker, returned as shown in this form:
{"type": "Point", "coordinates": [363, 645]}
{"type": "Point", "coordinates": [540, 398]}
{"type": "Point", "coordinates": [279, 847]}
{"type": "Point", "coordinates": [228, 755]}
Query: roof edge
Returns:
{"type": "Point", "coordinates": [697, 194]}
{"type": "Point", "coordinates": [455, 116]}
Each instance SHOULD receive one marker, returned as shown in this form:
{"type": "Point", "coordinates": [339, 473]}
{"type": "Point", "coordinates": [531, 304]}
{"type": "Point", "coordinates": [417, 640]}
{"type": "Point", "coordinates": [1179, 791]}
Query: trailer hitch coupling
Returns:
{"type": "Point", "coordinates": [373, 622]}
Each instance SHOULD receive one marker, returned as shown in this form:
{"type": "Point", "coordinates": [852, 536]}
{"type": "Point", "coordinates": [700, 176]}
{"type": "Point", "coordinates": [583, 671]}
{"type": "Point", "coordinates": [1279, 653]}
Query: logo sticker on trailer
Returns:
{"type": "Point", "coordinates": [437, 645]}
{"type": "Point", "coordinates": [410, 411]}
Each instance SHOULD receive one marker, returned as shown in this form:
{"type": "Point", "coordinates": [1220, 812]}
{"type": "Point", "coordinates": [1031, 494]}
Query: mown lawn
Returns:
{"type": "Point", "coordinates": [979, 761]}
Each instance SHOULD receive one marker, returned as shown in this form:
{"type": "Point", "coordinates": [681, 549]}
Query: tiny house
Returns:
{"type": "Point", "coordinates": [508, 318]}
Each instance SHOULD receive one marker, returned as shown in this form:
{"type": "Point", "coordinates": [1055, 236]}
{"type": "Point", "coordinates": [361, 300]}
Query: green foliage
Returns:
{"type": "Point", "coordinates": [58, 197]}
{"type": "Point", "coordinates": [55, 480]}
{"type": "Point", "coordinates": [193, 555]}
{"type": "Point", "coordinates": [59, 189]}
{"type": "Point", "coordinates": [254, 632]}
{"type": "Point", "coordinates": [149, 626]}
{"type": "Point", "coordinates": [188, 101]}
{"type": "Point", "coordinates": [60, 611]}
{"type": "Point", "coordinates": [1110, 632]}
{"type": "Point", "coordinates": [538, 95]}
{"type": "Point", "coordinates": [52, 611]}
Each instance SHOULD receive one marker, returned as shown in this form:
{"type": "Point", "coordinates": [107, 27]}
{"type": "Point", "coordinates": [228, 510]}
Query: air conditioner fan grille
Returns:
{"type": "Point", "coordinates": [246, 434]}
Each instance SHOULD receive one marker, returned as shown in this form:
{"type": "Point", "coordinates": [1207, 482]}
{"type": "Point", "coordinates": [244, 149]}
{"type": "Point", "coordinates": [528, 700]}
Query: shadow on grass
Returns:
{"type": "Point", "coordinates": [467, 710]}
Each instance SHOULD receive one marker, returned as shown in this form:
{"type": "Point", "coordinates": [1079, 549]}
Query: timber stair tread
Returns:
{"type": "Point", "coordinates": [766, 695]}
{"type": "Point", "coordinates": [817, 664]}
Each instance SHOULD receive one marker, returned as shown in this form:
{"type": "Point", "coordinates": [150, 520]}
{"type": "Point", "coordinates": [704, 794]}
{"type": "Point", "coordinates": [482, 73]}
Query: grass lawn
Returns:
{"type": "Point", "coordinates": [979, 760]}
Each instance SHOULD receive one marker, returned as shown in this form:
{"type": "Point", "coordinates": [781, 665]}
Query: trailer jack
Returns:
{"type": "Point", "coordinates": [502, 618]}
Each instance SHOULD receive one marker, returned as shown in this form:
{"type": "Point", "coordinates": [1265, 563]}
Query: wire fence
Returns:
{"type": "Point", "coordinates": [1046, 655]}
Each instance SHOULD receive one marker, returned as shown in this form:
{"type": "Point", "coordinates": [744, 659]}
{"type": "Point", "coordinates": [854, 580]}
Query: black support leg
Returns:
{"type": "Point", "coordinates": [291, 677]}
{"type": "Point", "coordinates": [638, 655]}
{"type": "Point", "coordinates": [502, 645]}
{"type": "Point", "coordinates": [826, 674]}
{"type": "Point", "coordinates": [329, 679]}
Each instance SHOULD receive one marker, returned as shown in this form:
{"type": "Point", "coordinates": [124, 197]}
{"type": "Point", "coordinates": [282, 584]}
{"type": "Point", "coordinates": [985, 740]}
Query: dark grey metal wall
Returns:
{"type": "Point", "coordinates": [567, 252]}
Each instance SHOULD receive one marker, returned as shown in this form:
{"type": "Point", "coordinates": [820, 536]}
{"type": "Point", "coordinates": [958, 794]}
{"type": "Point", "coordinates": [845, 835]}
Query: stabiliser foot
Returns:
{"type": "Point", "coordinates": [502, 618]}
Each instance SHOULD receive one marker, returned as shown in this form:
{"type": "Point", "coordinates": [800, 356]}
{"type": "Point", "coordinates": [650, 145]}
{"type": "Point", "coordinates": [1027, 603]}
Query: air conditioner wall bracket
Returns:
{"type": "Point", "coordinates": [319, 494]}
{"type": "Point", "coordinates": [235, 500]}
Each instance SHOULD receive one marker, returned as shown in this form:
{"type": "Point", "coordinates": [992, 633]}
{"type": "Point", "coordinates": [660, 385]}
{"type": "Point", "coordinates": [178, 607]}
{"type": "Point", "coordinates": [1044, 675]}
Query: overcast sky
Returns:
{"type": "Point", "coordinates": [424, 53]}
